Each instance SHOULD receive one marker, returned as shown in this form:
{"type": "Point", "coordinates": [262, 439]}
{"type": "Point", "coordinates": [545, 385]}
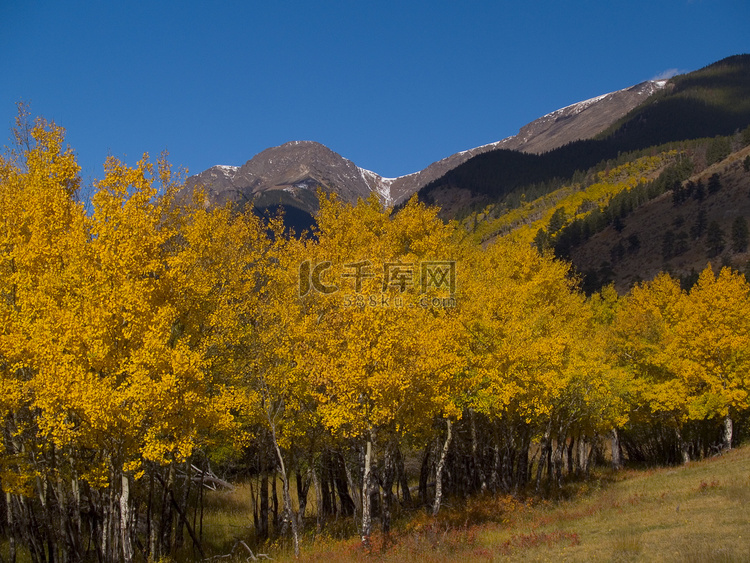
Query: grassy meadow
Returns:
{"type": "Point", "coordinates": [699, 512]}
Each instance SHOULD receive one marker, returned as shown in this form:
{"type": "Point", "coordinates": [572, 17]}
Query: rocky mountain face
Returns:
{"type": "Point", "coordinates": [579, 121]}
{"type": "Point", "coordinates": [290, 174]}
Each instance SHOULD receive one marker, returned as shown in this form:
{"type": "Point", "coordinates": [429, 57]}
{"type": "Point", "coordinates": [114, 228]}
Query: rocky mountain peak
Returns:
{"type": "Point", "coordinates": [291, 173]}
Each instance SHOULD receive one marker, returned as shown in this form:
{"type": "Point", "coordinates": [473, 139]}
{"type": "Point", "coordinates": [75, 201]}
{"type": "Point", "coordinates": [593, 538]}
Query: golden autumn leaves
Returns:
{"type": "Point", "coordinates": [689, 351]}
{"type": "Point", "coordinates": [92, 309]}
{"type": "Point", "coordinates": [134, 329]}
{"type": "Point", "coordinates": [143, 331]}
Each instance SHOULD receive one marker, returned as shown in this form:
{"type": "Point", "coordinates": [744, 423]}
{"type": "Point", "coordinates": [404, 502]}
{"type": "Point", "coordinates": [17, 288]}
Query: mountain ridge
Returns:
{"type": "Point", "coordinates": [712, 101]}
{"type": "Point", "coordinates": [289, 174]}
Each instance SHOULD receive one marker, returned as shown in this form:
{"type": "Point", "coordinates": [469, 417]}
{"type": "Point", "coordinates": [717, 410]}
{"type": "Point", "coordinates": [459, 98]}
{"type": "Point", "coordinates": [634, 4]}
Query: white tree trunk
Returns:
{"type": "Point", "coordinates": [127, 548]}
{"type": "Point", "coordinates": [366, 506]}
{"type": "Point", "coordinates": [543, 448]}
{"type": "Point", "coordinates": [439, 471]}
{"type": "Point", "coordinates": [288, 511]}
{"type": "Point", "coordinates": [318, 499]}
{"type": "Point", "coordinates": [582, 458]}
{"type": "Point", "coordinates": [11, 532]}
{"type": "Point", "coordinates": [356, 498]}
{"type": "Point", "coordinates": [727, 433]}
{"type": "Point", "coordinates": [616, 458]}
{"type": "Point", "coordinates": [105, 522]}
{"type": "Point", "coordinates": [684, 450]}
{"type": "Point", "coordinates": [475, 457]}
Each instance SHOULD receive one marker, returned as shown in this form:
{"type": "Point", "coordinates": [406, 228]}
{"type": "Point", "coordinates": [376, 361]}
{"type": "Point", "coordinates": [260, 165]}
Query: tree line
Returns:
{"type": "Point", "coordinates": [144, 342]}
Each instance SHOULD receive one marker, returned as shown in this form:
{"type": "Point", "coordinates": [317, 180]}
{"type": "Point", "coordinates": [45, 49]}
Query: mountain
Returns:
{"type": "Point", "coordinates": [583, 120]}
{"type": "Point", "coordinates": [619, 184]}
{"type": "Point", "coordinates": [289, 174]}
{"type": "Point", "coordinates": [712, 101]}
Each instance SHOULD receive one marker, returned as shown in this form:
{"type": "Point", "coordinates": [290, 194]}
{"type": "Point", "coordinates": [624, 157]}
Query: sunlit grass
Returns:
{"type": "Point", "coordinates": [227, 517]}
{"type": "Point", "coordinates": [699, 512]}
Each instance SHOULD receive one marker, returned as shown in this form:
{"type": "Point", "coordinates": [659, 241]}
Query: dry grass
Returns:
{"type": "Point", "coordinates": [699, 512]}
{"type": "Point", "coordinates": [227, 517]}
{"type": "Point", "coordinates": [695, 513]}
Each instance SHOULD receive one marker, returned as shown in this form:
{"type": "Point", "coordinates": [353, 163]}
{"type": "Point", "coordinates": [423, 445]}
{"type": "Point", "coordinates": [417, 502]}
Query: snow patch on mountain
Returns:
{"type": "Point", "coordinates": [571, 110]}
{"type": "Point", "coordinates": [578, 107]}
{"type": "Point", "coordinates": [378, 184]}
{"type": "Point", "coordinates": [226, 169]}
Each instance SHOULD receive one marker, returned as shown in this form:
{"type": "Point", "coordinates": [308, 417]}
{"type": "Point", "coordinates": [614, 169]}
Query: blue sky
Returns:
{"type": "Point", "coordinates": [393, 86]}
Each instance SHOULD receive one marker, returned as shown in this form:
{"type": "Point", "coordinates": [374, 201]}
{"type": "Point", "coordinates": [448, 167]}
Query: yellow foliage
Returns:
{"type": "Point", "coordinates": [713, 338]}
{"type": "Point", "coordinates": [379, 354]}
{"type": "Point", "coordinates": [523, 222]}
{"type": "Point", "coordinates": [138, 334]}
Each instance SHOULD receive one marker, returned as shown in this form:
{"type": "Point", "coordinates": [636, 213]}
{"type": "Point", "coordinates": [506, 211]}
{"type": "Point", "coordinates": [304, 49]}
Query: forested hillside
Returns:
{"type": "Point", "coordinates": [700, 219]}
{"type": "Point", "coordinates": [628, 222]}
{"type": "Point", "coordinates": [705, 103]}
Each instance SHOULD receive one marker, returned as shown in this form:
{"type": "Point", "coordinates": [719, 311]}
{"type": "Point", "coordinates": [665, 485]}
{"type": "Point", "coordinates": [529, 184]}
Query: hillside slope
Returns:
{"type": "Point", "coordinates": [663, 235]}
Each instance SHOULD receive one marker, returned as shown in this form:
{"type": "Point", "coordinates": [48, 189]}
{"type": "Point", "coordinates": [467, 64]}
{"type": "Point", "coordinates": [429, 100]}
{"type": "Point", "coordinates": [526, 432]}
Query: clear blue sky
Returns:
{"type": "Point", "coordinates": [393, 86]}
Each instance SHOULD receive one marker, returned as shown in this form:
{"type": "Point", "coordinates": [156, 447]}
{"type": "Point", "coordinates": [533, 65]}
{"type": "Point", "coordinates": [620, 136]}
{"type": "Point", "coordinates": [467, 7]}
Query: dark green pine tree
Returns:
{"type": "Point", "coordinates": [745, 137]}
{"type": "Point", "coordinates": [699, 227]}
{"type": "Point", "coordinates": [634, 243]}
{"type": "Point", "coordinates": [699, 194]}
{"type": "Point", "coordinates": [542, 240]}
{"type": "Point", "coordinates": [714, 184]}
{"type": "Point", "coordinates": [739, 235]}
{"type": "Point", "coordinates": [718, 149]}
{"type": "Point", "coordinates": [715, 241]}
{"type": "Point", "coordinates": [557, 221]}
{"type": "Point", "coordinates": [618, 224]}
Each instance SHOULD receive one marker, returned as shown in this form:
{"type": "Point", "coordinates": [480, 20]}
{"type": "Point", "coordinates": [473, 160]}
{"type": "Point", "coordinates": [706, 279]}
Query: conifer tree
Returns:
{"type": "Point", "coordinates": [715, 241]}
{"type": "Point", "coordinates": [739, 235]}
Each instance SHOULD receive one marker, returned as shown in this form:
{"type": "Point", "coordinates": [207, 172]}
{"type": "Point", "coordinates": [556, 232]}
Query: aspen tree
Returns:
{"type": "Point", "coordinates": [644, 333]}
{"type": "Point", "coordinates": [714, 343]}
{"type": "Point", "coordinates": [106, 376]}
{"type": "Point", "coordinates": [378, 353]}
{"type": "Point", "coordinates": [525, 323]}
